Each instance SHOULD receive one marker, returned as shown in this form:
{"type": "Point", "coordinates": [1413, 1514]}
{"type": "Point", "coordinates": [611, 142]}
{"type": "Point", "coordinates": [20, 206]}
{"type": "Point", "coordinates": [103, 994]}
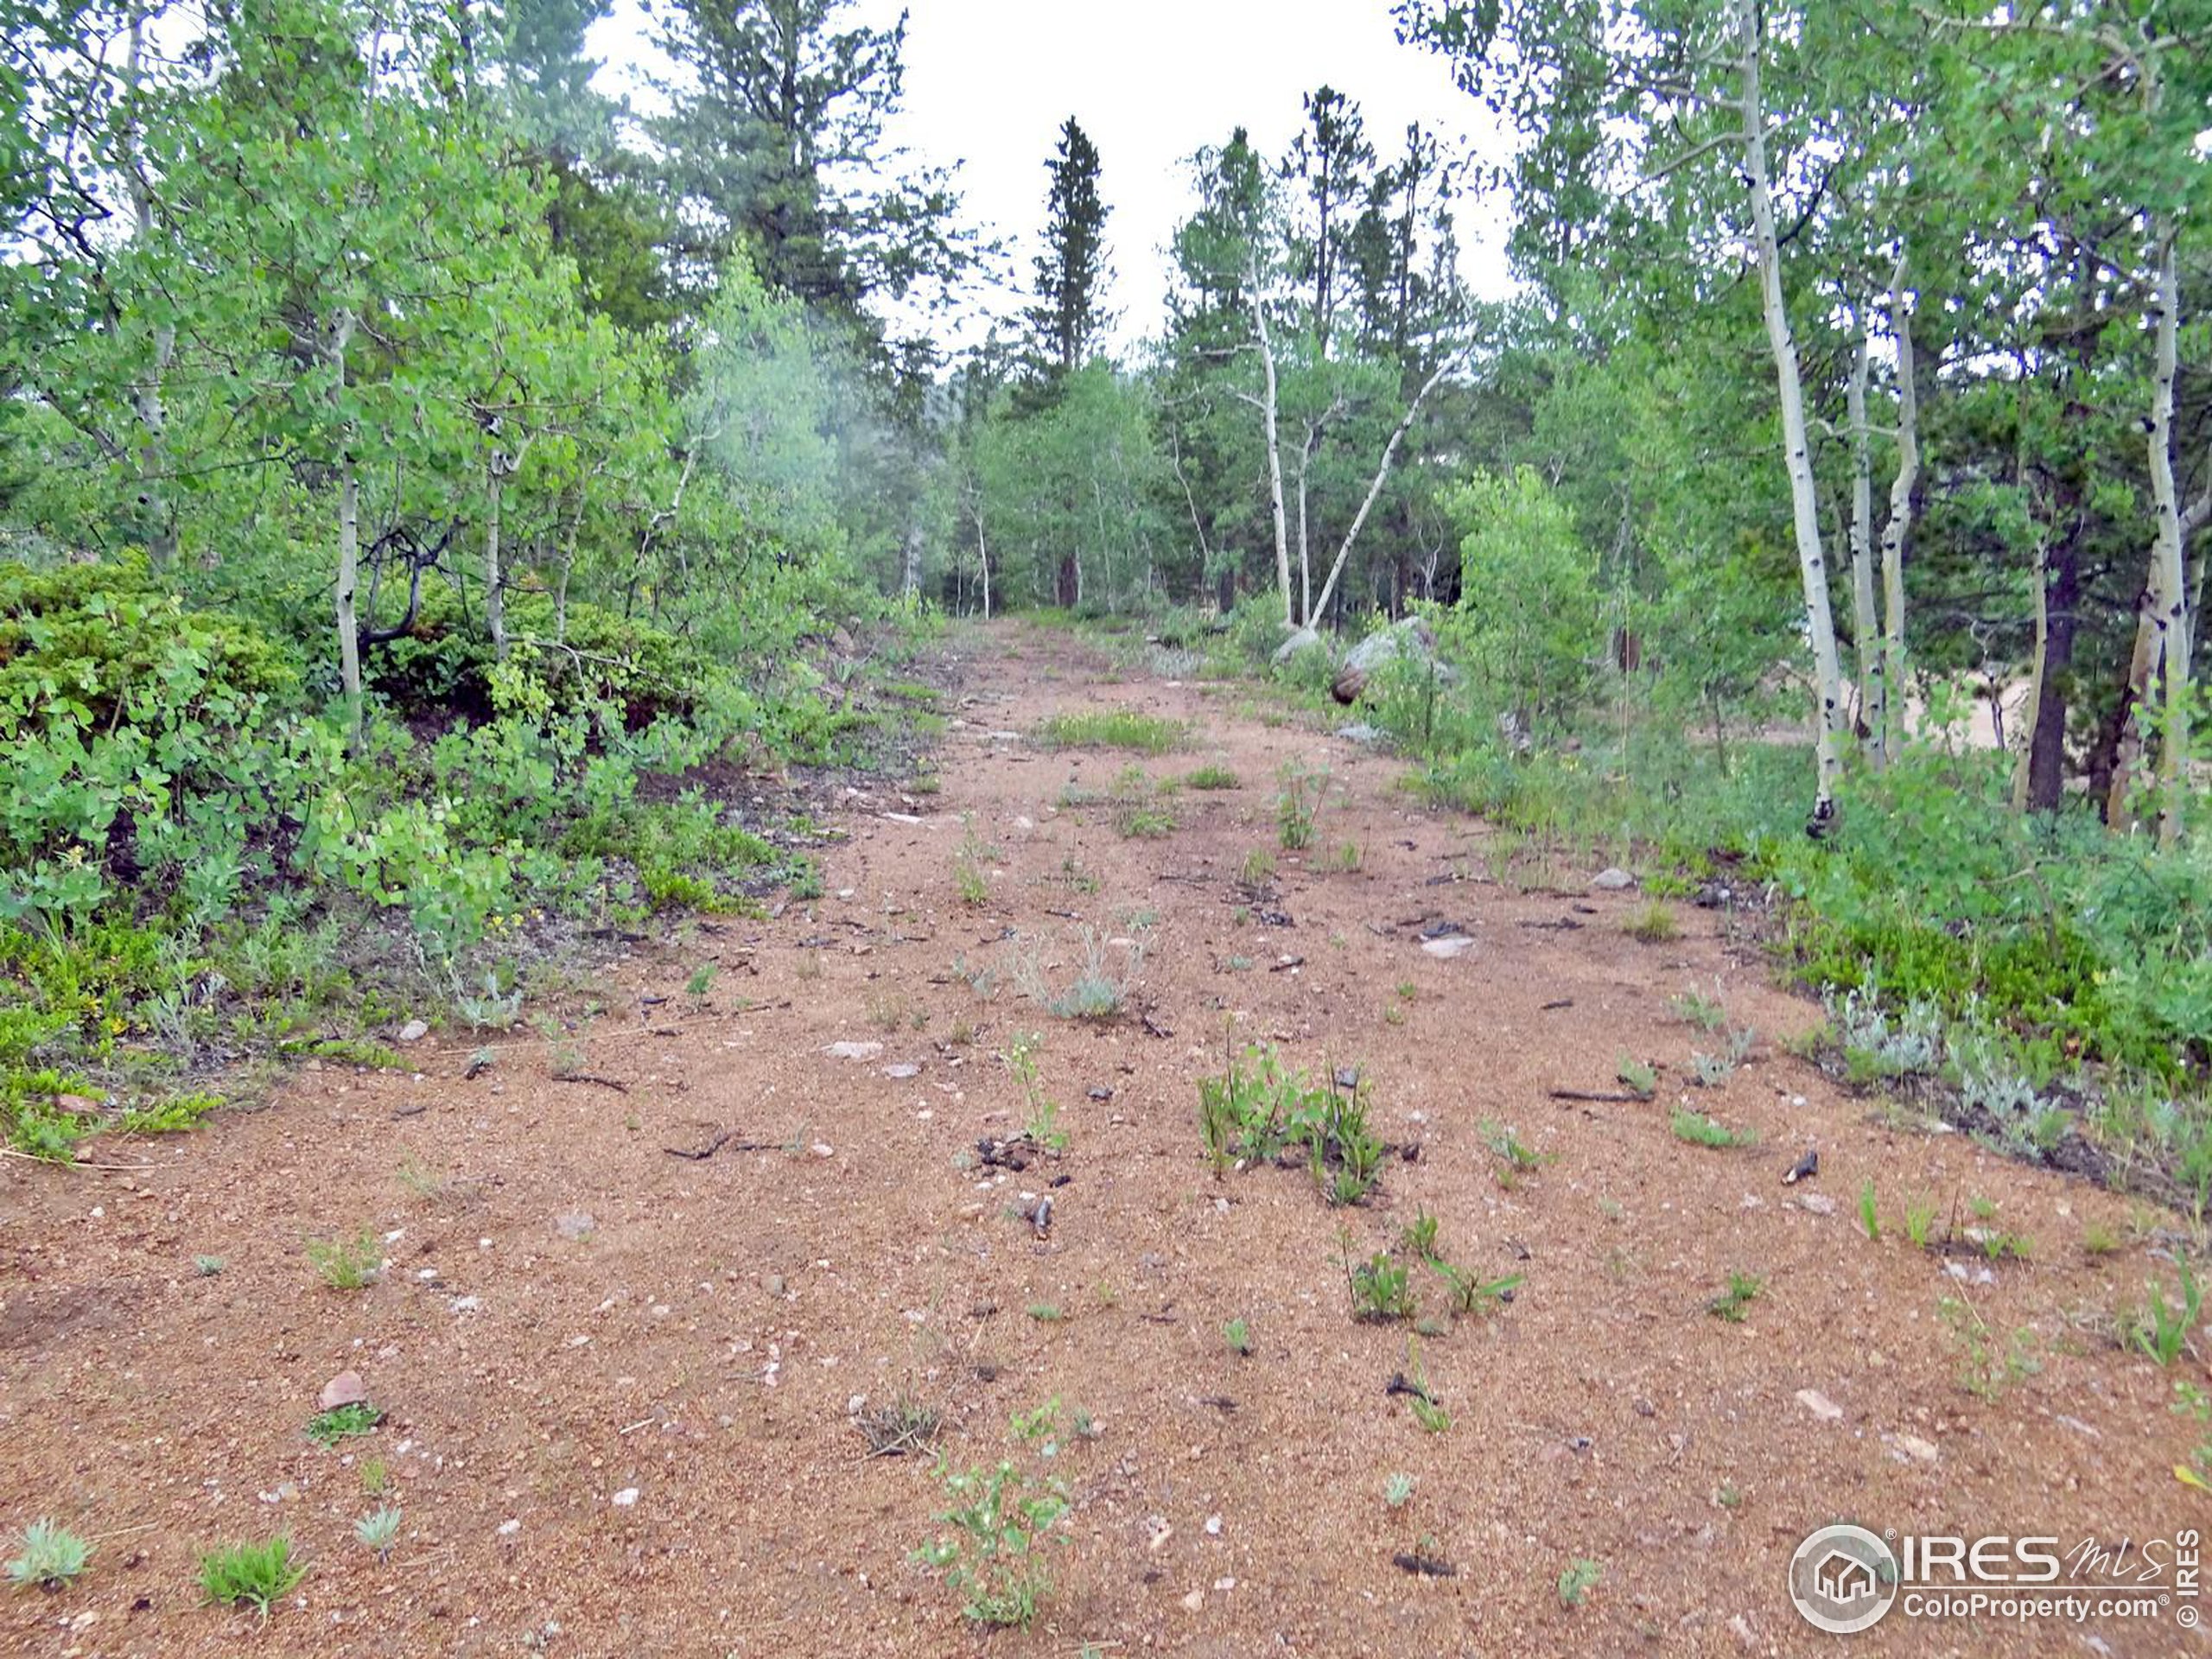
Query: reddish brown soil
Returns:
{"type": "Point", "coordinates": [701, 1344]}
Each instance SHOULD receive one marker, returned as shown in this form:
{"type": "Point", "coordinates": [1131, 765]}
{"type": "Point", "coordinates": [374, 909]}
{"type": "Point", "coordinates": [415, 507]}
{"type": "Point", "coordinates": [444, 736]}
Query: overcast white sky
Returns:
{"type": "Point", "coordinates": [989, 81]}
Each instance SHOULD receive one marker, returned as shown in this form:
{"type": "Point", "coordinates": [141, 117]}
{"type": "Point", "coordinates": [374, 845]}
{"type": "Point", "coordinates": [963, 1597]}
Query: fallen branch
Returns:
{"type": "Point", "coordinates": [722, 1139]}
{"type": "Point", "coordinates": [615, 1084]}
{"type": "Point", "coordinates": [1602, 1099]}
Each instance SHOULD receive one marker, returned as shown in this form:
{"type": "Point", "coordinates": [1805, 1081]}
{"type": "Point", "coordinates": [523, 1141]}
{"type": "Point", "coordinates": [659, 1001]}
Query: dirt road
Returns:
{"type": "Point", "coordinates": [620, 1382]}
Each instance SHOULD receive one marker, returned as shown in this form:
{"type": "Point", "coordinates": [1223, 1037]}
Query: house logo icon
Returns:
{"type": "Point", "coordinates": [1843, 1578]}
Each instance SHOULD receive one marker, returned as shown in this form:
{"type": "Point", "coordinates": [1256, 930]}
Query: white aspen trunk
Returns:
{"type": "Point", "coordinates": [984, 561]}
{"type": "Point", "coordinates": [1267, 419]}
{"type": "Point", "coordinates": [1304, 563]}
{"type": "Point", "coordinates": [153, 460]}
{"type": "Point", "coordinates": [1811, 561]}
{"type": "Point", "coordinates": [1864, 625]}
{"type": "Point", "coordinates": [2174, 620]}
{"type": "Point", "coordinates": [495, 593]}
{"type": "Point", "coordinates": [1889, 668]}
{"type": "Point", "coordinates": [910, 562]}
{"type": "Point", "coordinates": [349, 537]}
{"type": "Point", "coordinates": [1382, 473]}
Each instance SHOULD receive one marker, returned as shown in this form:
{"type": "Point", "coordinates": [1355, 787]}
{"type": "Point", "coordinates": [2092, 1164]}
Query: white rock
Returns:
{"type": "Point", "coordinates": [1613, 880]}
{"type": "Point", "coordinates": [1455, 945]}
{"type": "Point", "coordinates": [413, 1032]}
{"type": "Point", "coordinates": [508, 1528]}
{"type": "Point", "coordinates": [902, 1070]}
{"type": "Point", "coordinates": [626, 1498]}
{"type": "Point", "coordinates": [852, 1051]}
{"type": "Point", "coordinates": [1819, 1404]}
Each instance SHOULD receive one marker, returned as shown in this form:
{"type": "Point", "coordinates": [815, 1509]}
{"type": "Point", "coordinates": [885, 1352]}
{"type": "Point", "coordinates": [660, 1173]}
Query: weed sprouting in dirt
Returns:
{"type": "Point", "coordinates": [2160, 1329]}
{"type": "Point", "coordinates": [1212, 777]}
{"type": "Point", "coordinates": [1099, 990]}
{"type": "Point", "coordinates": [51, 1556]}
{"type": "Point", "coordinates": [1298, 803]}
{"type": "Point", "coordinates": [1040, 1112]}
{"type": "Point", "coordinates": [1002, 1518]}
{"type": "Point", "coordinates": [900, 1425]}
{"type": "Point", "coordinates": [1988, 1364]}
{"type": "Point", "coordinates": [1113, 729]}
{"type": "Point", "coordinates": [1734, 1304]}
{"type": "Point", "coordinates": [1397, 1488]}
{"type": "Point", "coordinates": [1693, 1007]}
{"type": "Point", "coordinates": [208, 1265]}
{"type": "Point", "coordinates": [1920, 1221]}
{"type": "Point", "coordinates": [1711, 1071]}
{"type": "Point", "coordinates": [251, 1575]}
{"type": "Point", "coordinates": [1381, 1287]}
{"type": "Point", "coordinates": [1870, 1220]}
{"type": "Point", "coordinates": [1576, 1580]}
{"type": "Point", "coordinates": [1703, 1131]}
{"type": "Point", "coordinates": [1653, 925]}
{"type": "Point", "coordinates": [1238, 1335]}
{"type": "Point", "coordinates": [1640, 1077]}
{"type": "Point", "coordinates": [342, 1422]}
{"type": "Point", "coordinates": [347, 1264]}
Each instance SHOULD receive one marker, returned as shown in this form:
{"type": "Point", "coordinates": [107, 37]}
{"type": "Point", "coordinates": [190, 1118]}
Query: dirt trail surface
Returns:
{"type": "Point", "coordinates": [620, 1384]}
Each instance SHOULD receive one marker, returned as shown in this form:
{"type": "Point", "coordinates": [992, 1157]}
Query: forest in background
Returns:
{"type": "Point", "coordinates": [414, 460]}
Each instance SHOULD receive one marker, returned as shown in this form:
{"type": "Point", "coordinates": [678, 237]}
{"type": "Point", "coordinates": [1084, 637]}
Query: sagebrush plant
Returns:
{"type": "Point", "coordinates": [1099, 989]}
{"type": "Point", "coordinates": [378, 1530]}
{"type": "Point", "coordinates": [50, 1556]}
{"type": "Point", "coordinates": [1002, 1520]}
{"type": "Point", "coordinates": [251, 1575]}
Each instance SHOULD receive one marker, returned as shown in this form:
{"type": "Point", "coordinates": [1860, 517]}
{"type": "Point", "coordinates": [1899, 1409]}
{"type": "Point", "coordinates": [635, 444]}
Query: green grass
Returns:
{"type": "Point", "coordinates": [1113, 729]}
{"type": "Point", "coordinates": [1653, 925]}
{"type": "Point", "coordinates": [251, 1575]}
{"type": "Point", "coordinates": [1212, 777]}
{"type": "Point", "coordinates": [347, 1264]}
{"type": "Point", "coordinates": [342, 1422]}
{"type": "Point", "coordinates": [1703, 1131]}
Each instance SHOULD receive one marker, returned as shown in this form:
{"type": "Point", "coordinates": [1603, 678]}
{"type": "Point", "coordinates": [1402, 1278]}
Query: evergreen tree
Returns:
{"type": "Point", "coordinates": [1070, 318]}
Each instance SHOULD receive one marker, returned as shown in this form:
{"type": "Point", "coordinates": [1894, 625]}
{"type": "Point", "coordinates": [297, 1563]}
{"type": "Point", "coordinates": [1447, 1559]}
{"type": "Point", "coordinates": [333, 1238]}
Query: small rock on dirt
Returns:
{"type": "Point", "coordinates": [345, 1388]}
{"type": "Point", "coordinates": [577, 1223]}
{"type": "Point", "coordinates": [1613, 879]}
{"type": "Point", "coordinates": [1361, 732]}
{"type": "Point", "coordinates": [627, 1497]}
{"type": "Point", "coordinates": [1918, 1450]}
{"type": "Point", "coordinates": [413, 1032]}
{"type": "Point", "coordinates": [852, 1051]}
{"type": "Point", "coordinates": [1818, 1203]}
{"type": "Point", "coordinates": [1819, 1404]}
{"type": "Point", "coordinates": [902, 1070]}
{"type": "Point", "coordinates": [1194, 1601]}
{"type": "Point", "coordinates": [1456, 944]}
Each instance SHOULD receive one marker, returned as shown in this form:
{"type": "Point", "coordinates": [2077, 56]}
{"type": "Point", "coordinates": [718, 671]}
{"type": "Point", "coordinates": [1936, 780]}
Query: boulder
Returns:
{"type": "Point", "coordinates": [1298, 645]}
{"type": "Point", "coordinates": [1411, 639]}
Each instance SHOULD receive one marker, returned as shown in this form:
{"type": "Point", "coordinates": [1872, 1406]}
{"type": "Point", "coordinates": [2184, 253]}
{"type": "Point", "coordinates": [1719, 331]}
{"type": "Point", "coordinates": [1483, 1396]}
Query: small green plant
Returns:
{"type": "Point", "coordinates": [1729, 1495]}
{"type": "Point", "coordinates": [1238, 1335]}
{"type": "Point", "coordinates": [251, 1575]}
{"type": "Point", "coordinates": [2192, 1401]}
{"type": "Point", "coordinates": [2160, 1329]}
{"type": "Point", "coordinates": [376, 1477]}
{"type": "Point", "coordinates": [1098, 990]}
{"type": "Point", "coordinates": [1408, 990]}
{"type": "Point", "coordinates": [1711, 1071]}
{"type": "Point", "coordinates": [1693, 1008]}
{"type": "Point", "coordinates": [1212, 777]}
{"type": "Point", "coordinates": [1518, 1156]}
{"type": "Point", "coordinates": [1870, 1220]}
{"type": "Point", "coordinates": [1701, 1131]}
{"type": "Point", "coordinates": [1041, 1121]}
{"type": "Point", "coordinates": [1987, 1366]}
{"type": "Point", "coordinates": [1349, 858]}
{"type": "Point", "coordinates": [1145, 822]}
{"type": "Point", "coordinates": [1001, 1519]}
{"type": "Point", "coordinates": [208, 1265]}
{"type": "Point", "coordinates": [1298, 804]}
{"type": "Point", "coordinates": [1734, 1304]}
{"type": "Point", "coordinates": [1398, 1489]}
{"type": "Point", "coordinates": [1418, 1237]}
{"type": "Point", "coordinates": [1639, 1077]}
{"type": "Point", "coordinates": [1653, 925]}
{"type": "Point", "coordinates": [1576, 1580]}
{"type": "Point", "coordinates": [342, 1422]}
{"type": "Point", "coordinates": [1467, 1293]}
{"type": "Point", "coordinates": [378, 1530]}
{"type": "Point", "coordinates": [52, 1556]}
{"type": "Point", "coordinates": [1046, 1313]}
{"type": "Point", "coordinates": [701, 981]}
{"type": "Point", "coordinates": [1920, 1221]}
{"type": "Point", "coordinates": [1259, 869]}
{"type": "Point", "coordinates": [1382, 1288]}
{"type": "Point", "coordinates": [2097, 1239]}
{"type": "Point", "coordinates": [419, 1182]}
{"type": "Point", "coordinates": [347, 1264]}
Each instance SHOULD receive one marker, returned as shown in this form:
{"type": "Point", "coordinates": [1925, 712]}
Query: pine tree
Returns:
{"type": "Point", "coordinates": [1070, 318]}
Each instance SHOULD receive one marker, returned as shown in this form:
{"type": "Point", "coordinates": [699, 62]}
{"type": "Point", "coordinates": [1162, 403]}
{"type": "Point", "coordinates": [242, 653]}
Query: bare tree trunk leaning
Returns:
{"type": "Point", "coordinates": [1267, 419]}
{"type": "Point", "coordinates": [1382, 472]}
{"type": "Point", "coordinates": [1811, 560]}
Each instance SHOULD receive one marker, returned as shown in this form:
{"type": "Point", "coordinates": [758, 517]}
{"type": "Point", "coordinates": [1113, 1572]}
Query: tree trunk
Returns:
{"type": "Point", "coordinates": [495, 591]}
{"type": "Point", "coordinates": [1382, 472]}
{"type": "Point", "coordinates": [1865, 626]}
{"type": "Point", "coordinates": [155, 508]}
{"type": "Point", "coordinates": [983, 563]}
{"type": "Point", "coordinates": [349, 534]}
{"type": "Point", "coordinates": [1811, 560]}
{"type": "Point", "coordinates": [1267, 419]}
{"type": "Point", "coordinates": [1904, 501]}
